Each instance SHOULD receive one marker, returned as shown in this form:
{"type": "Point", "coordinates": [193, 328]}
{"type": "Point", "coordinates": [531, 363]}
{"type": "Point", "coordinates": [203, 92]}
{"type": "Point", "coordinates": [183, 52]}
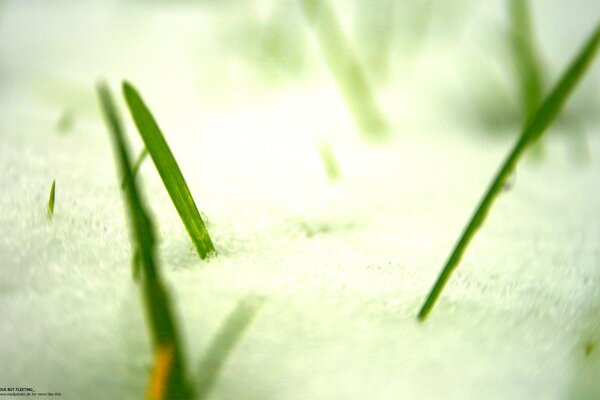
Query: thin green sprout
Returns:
{"type": "Point", "coordinates": [533, 129]}
{"type": "Point", "coordinates": [51, 199]}
{"type": "Point", "coordinates": [332, 168]}
{"type": "Point", "coordinates": [162, 323]}
{"type": "Point", "coordinates": [346, 69]}
{"type": "Point", "coordinates": [169, 171]}
{"type": "Point", "coordinates": [136, 166]}
{"type": "Point", "coordinates": [224, 342]}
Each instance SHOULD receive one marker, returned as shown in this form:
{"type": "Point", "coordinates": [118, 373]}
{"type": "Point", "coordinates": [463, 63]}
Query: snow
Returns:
{"type": "Point", "coordinates": [343, 267]}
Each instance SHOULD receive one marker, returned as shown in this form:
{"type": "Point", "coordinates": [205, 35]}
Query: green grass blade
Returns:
{"type": "Point", "coordinates": [332, 168]}
{"type": "Point", "coordinates": [224, 343]}
{"type": "Point", "coordinates": [169, 171]}
{"type": "Point", "coordinates": [143, 230]}
{"type": "Point", "coordinates": [536, 126]}
{"type": "Point", "coordinates": [136, 166]}
{"type": "Point", "coordinates": [346, 69]}
{"type": "Point", "coordinates": [159, 312]}
{"type": "Point", "coordinates": [136, 265]}
{"type": "Point", "coordinates": [527, 63]}
{"type": "Point", "coordinates": [51, 199]}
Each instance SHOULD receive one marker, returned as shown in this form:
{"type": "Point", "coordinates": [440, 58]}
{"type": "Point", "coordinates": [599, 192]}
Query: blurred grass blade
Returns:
{"type": "Point", "coordinates": [346, 69]}
{"type": "Point", "coordinates": [66, 122]}
{"type": "Point", "coordinates": [137, 165]}
{"type": "Point", "coordinates": [158, 308]}
{"type": "Point", "coordinates": [332, 168]}
{"type": "Point", "coordinates": [51, 199]}
{"type": "Point", "coordinates": [547, 112]}
{"type": "Point", "coordinates": [165, 335]}
{"type": "Point", "coordinates": [224, 342]}
{"type": "Point", "coordinates": [169, 171]}
{"type": "Point", "coordinates": [526, 58]}
{"type": "Point", "coordinates": [374, 33]}
{"type": "Point", "coordinates": [143, 231]}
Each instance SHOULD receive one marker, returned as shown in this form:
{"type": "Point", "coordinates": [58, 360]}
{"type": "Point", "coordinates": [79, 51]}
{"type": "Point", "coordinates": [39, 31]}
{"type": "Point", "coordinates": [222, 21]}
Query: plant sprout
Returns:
{"type": "Point", "coordinates": [169, 377]}
{"type": "Point", "coordinates": [51, 199]}
{"type": "Point", "coordinates": [169, 171]}
{"type": "Point", "coordinates": [533, 129]}
{"type": "Point", "coordinates": [346, 69]}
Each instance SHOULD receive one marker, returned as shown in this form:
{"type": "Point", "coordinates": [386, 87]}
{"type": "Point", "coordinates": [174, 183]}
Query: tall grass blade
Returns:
{"type": "Point", "coordinates": [158, 307]}
{"type": "Point", "coordinates": [224, 342]}
{"type": "Point", "coordinates": [346, 69]}
{"type": "Point", "coordinates": [533, 129]}
{"type": "Point", "coordinates": [169, 171]}
{"type": "Point", "coordinates": [51, 199]}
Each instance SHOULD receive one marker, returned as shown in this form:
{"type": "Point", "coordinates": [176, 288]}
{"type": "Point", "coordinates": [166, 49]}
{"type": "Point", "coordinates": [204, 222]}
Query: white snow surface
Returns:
{"type": "Point", "coordinates": [343, 266]}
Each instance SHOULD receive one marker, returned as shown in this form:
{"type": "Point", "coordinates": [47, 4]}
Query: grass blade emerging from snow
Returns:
{"type": "Point", "coordinates": [165, 338]}
{"type": "Point", "coordinates": [169, 171]}
{"type": "Point", "coordinates": [347, 71]}
{"type": "Point", "coordinates": [533, 129]}
{"type": "Point", "coordinates": [51, 199]}
{"type": "Point", "coordinates": [224, 342]}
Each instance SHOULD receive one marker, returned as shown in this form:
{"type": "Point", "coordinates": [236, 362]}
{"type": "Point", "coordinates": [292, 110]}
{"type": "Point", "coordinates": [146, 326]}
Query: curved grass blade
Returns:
{"type": "Point", "coordinates": [51, 199]}
{"type": "Point", "coordinates": [533, 129]}
{"type": "Point", "coordinates": [346, 69]}
{"type": "Point", "coordinates": [162, 323]}
{"type": "Point", "coordinates": [169, 171]}
{"type": "Point", "coordinates": [224, 342]}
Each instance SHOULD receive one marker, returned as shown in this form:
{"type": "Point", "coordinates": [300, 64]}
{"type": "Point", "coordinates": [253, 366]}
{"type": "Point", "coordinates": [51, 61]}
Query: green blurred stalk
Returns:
{"type": "Point", "coordinates": [527, 63]}
{"type": "Point", "coordinates": [346, 69]}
